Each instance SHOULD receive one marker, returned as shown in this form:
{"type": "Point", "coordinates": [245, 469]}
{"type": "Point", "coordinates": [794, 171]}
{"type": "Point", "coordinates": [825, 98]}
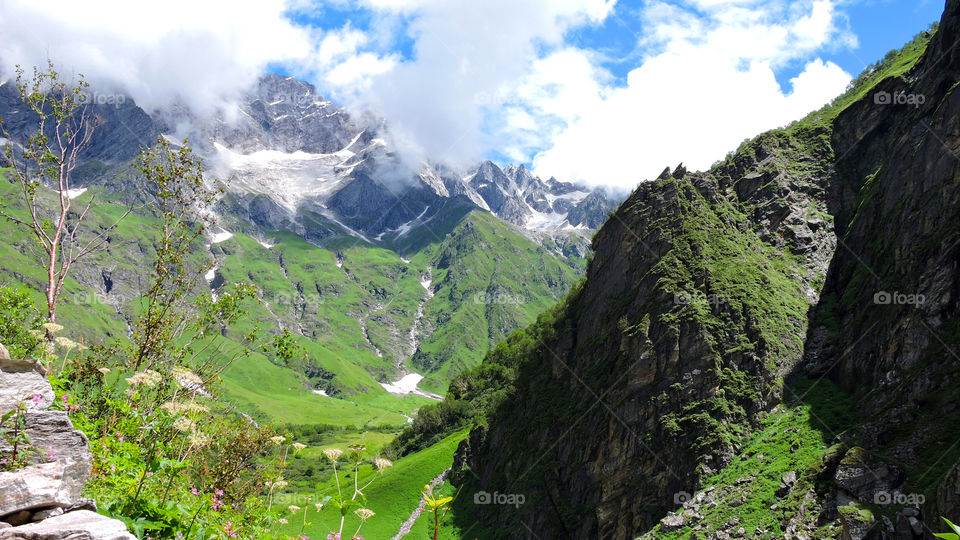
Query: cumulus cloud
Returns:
{"type": "Point", "coordinates": [707, 83]}
{"type": "Point", "coordinates": [466, 54]}
{"type": "Point", "coordinates": [202, 52]}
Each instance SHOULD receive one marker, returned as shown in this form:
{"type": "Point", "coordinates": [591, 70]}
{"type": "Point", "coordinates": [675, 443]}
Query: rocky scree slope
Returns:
{"type": "Point", "coordinates": [693, 329]}
{"type": "Point", "coordinates": [42, 501]}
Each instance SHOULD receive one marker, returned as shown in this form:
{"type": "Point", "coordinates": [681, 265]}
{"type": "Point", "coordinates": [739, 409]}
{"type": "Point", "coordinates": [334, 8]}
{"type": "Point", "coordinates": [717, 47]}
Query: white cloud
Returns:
{"type": "Point", "coordinates": [466, 54]}
{"type": "Point", "coordinates": [356, 68]}
{"type": "Point", "coordinates": [491, 75]}
{"type": "Point", "coordinates": [201, 51]}
{"type": "Point", "coordinates": [711, 85]}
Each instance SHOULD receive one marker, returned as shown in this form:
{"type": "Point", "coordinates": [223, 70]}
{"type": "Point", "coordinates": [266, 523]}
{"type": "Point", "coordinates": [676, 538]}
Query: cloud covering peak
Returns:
{"type": "Point", "coordinates": [462, 80]}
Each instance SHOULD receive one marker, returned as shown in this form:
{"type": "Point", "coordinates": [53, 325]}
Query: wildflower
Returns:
{"type": "Point", "coordinates": [333, 536]}
{"type": "Point", "coordinates": [228, 528]}
{"type": "Point", "coordinates": [36, 400]}
{"type": "Point", "coordinates": [381, 463]}
{"type": "Point", "coordinates": [198, 438]}
{"type": "Point", "coordinates": [172, 407]}
{"type": "Point", "coordinates": [51, 455]}
{"type": "Point", "coordinates": [147, 378]}
{"type": "Point", "coordinates": [333, 453]}
{"type": "Point", "coordinates": [66, 343]}
{"type": "Point", "coordinates": [38, 334]}
{"type": "Point", "coordinates": [318, 506]}
{"type": "Point", "coordinates": [364, 513]}
{"type": "Point", "coordinates": [194, 491]}
{"type": "Point", "coordinates": [293, 508]}
{"type": "Point", "coordinates": [218, 493]}
{"type": "Point", "coordinates": [194, 407]}
{"type": "Point", "coordinates": [280, 484]}
{"type": "Point", "coordinates": [186, 377]}
{"type": "Point", "coordinates": [104, 370]}
{"type": "Point", "coordinates": [53, 328]}
{"type": "Point", "coordinates": [277, 439]}
{"type": "Point", "coordinates": [283, 521]}
{"type": "Point", "coordinates": [183, 424]}
{"type": "Point", "coordinates": [299, 446]}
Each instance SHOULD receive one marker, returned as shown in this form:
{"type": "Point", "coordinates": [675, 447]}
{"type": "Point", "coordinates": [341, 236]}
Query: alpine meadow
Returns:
{"type": "Point", "coordinates": [410, 269]}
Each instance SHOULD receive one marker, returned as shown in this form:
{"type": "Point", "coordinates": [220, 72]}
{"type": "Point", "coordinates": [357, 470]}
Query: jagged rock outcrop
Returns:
{"type": "Point", "coordinates": [42, 500]}
{"type": "Point", "coordinates": [650, 356]}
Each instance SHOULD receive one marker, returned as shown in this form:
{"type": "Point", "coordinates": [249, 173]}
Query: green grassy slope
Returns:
{"type": "Point", "coordinates": [393, 496]}
{"type": "Point", "coordinates": [489, 281]}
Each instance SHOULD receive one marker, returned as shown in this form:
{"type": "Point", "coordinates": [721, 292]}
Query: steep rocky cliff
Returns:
{"type": "Point", "coordinates": [748, 347]}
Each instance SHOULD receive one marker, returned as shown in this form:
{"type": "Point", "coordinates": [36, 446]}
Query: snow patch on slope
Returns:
{"type": "Point", "coordinates": [221, 236]}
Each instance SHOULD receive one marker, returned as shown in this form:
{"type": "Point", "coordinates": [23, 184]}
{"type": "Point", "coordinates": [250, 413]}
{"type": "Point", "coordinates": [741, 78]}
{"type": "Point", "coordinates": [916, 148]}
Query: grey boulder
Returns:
{"type": "Point", "coordinates": [79, 525]}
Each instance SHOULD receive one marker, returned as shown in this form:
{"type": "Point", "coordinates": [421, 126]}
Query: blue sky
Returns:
{"type": "Point", "coordinates": [599, 91]}
{"type": "Point", "coordinates": [880, 25]}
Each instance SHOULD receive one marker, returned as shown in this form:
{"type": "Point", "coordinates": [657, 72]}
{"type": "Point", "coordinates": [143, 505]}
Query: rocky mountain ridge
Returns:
{"type": "Point", "coordinates": [724, 317]}
{"type": "Point", "coordinates": [296, 161]}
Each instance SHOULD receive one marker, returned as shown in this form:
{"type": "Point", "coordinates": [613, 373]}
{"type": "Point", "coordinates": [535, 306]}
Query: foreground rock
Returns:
{"type": "Point", "coordinates": [54, 439]}
{"type": "Point", "coordinates": [21, 387]}
{"type": "Point", "coordinates": [78, 525]}
{"type": "Point", "coordinates": [43, 500]}
{"type": "Point", "coordinates": [34, 487]}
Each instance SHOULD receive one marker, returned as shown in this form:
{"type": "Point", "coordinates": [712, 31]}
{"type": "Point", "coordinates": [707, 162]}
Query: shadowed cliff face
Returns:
{"type": "Point", "coordinates": [695, 315]}
{"type": "Point", "coordinates": [894, 284]}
